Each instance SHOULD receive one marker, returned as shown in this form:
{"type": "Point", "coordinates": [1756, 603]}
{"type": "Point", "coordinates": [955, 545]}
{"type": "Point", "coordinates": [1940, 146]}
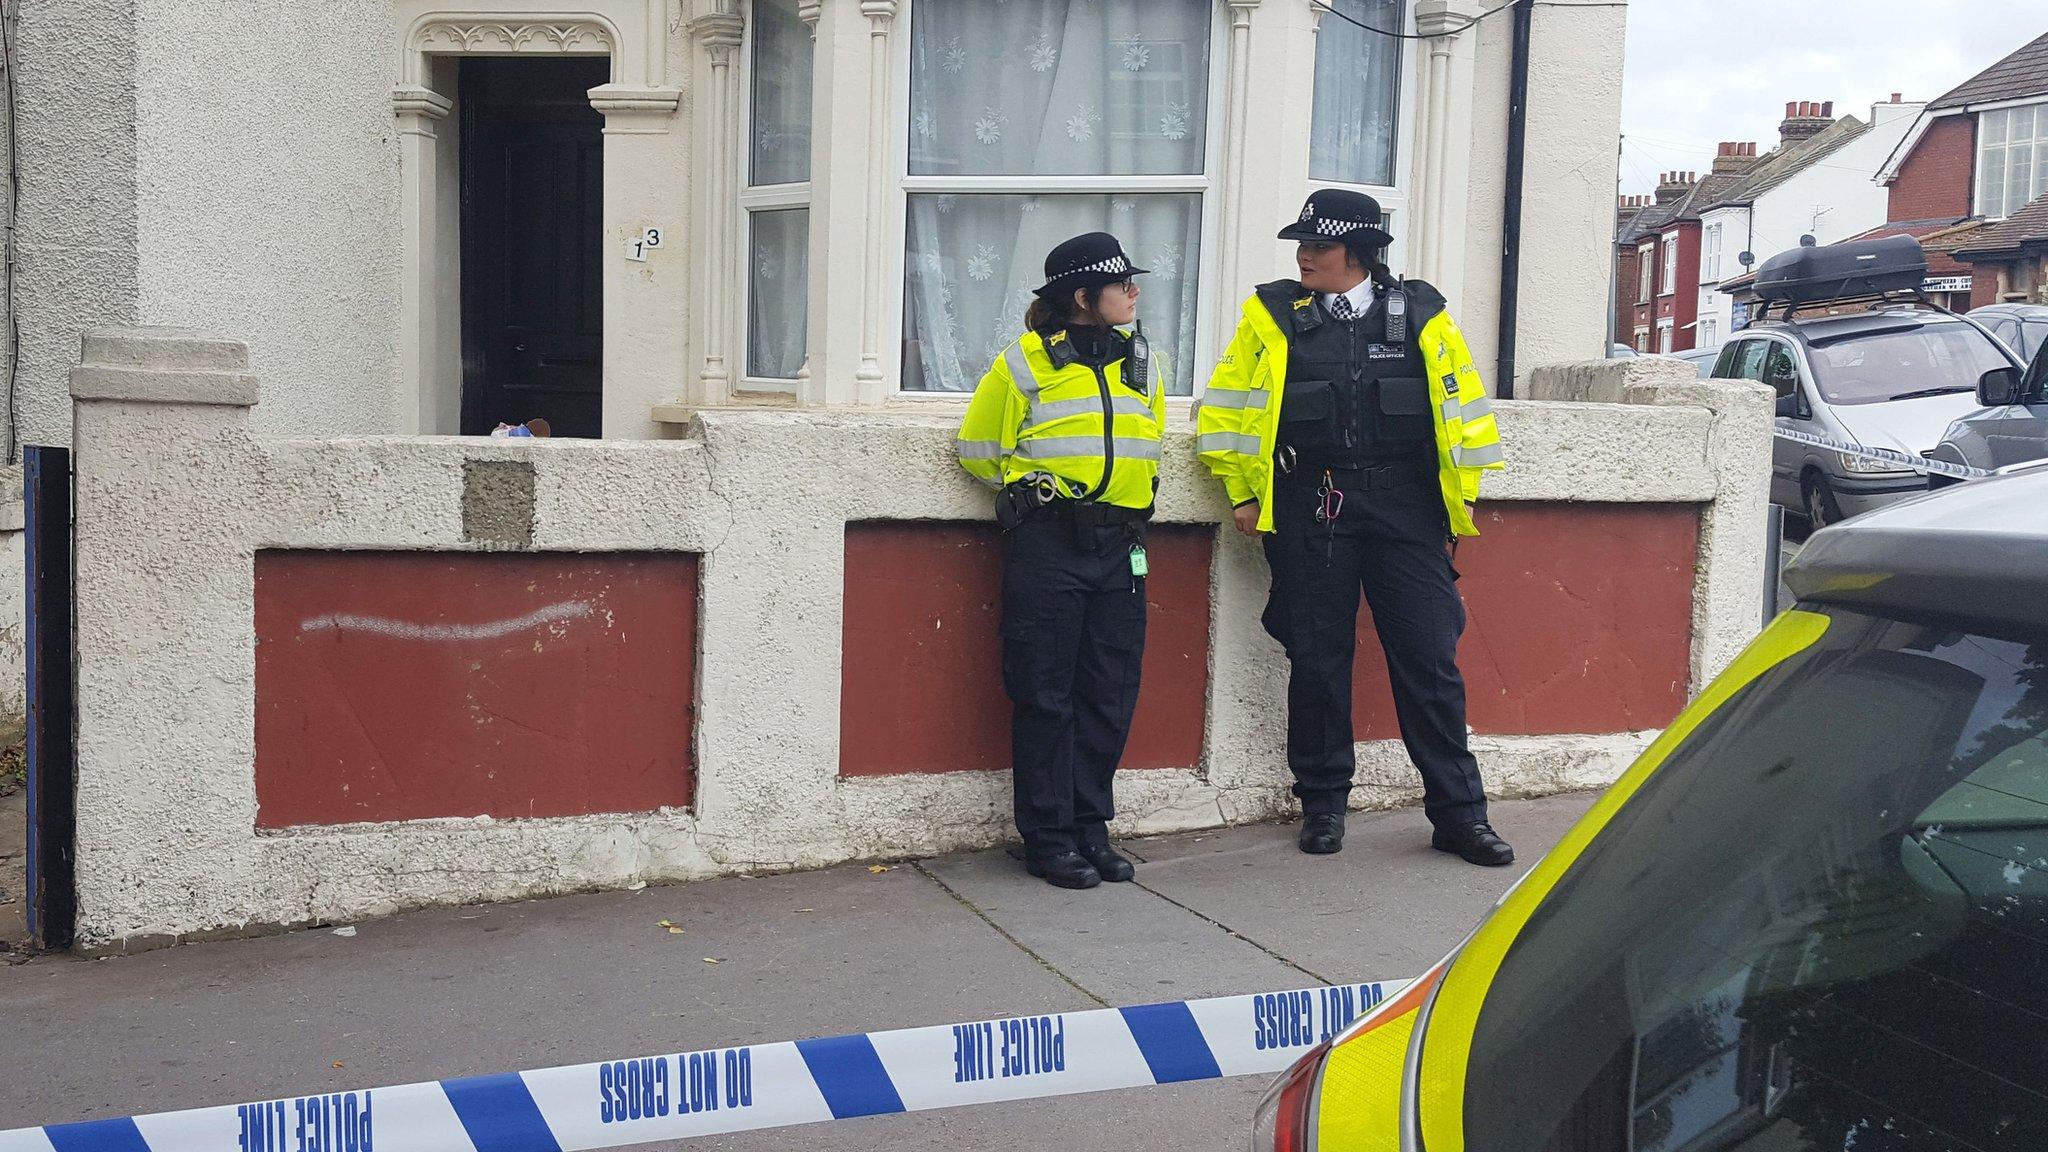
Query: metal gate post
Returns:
{"type": "Point", "coordinates": [52, 780]}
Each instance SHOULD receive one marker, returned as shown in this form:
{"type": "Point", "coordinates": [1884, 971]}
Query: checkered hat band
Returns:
{"type": "Point", "coordinates": [1113, 264]}
{"type": "Point", "coordinates": [1329, 227]}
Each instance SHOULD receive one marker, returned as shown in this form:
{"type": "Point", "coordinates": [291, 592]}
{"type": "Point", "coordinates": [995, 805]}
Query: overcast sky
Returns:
{"type": "Point", "coordinates": [1699, 73]}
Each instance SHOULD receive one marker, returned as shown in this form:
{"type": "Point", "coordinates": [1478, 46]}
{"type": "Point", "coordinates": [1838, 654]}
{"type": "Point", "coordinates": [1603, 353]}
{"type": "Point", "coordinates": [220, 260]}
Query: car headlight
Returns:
{"type": "Point", "coordinates": [1866, 466]}
{"type": "Point", "coordinates": [1285, 1120]}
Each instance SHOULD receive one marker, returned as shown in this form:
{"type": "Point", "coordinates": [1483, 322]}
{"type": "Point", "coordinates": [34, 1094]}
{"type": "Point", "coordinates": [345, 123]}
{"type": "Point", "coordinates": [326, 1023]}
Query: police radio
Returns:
{"type": "Point", "coordinates": [1138, 361]}
{"type": "Point", "coordinates": [1397, 313]}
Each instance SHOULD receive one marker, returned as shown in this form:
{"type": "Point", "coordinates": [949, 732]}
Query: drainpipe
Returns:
{"type": "Point", "coordinates": [1511, 214]}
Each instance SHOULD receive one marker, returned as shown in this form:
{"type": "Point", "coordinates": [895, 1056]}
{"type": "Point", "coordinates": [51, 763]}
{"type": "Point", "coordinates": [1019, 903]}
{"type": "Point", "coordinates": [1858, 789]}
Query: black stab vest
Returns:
{"type": "Point", "coordinates": [1352, 400]}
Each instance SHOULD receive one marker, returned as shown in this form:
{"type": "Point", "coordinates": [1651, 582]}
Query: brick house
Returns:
{"type": "Point", "coordinates": [1964, 171]}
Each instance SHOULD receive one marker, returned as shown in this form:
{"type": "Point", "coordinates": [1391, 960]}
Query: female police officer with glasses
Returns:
{"type": "Point", "coordinates": [1350, 429]}
{"type": "Point", "coordinates": [1066, 427]}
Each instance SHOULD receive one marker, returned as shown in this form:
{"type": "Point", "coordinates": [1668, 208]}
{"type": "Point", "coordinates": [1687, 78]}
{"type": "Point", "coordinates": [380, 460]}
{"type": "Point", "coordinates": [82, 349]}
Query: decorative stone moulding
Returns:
{"type": "Point", "coordinates": [549, 37]}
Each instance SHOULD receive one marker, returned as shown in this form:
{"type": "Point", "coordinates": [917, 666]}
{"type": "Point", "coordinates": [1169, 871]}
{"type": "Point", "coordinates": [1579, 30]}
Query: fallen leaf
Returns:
{"type": "Point", "coordinates": [672, 929]}
{"type": "Point", "coordinates": [878, 869]}
{"type": "Point", "coordinates": [337, 1063]}
{"type": "Point", "coordinates": [709, 960]}
{"type": "Point", "coordinates": [636, 886]}
{"type": "Point", "coordinates": [807, 909]}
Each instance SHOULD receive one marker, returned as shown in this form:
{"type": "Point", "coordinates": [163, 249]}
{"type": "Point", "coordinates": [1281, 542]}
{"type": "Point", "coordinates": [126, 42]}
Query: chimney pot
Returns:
{"type": "Point", "coordinates": [1828, 109]}
{"type": "Point", "coordinates": [1896, 97]}
{"type": "Point", "coordinates": [1791, 109]}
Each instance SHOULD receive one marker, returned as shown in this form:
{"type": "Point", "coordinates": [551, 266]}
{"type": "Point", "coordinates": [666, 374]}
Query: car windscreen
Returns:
{"type": "Point", "coordinates": [1821, 924]}
{"type": "Point", "coordinates": [1895, 363]}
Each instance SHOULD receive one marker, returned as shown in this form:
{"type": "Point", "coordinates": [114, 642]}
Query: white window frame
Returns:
{"type": "Point", "coordinates": [1710, 257]}
{"type": "Point", "coordinates": [1709, 332]}
{"type": "Point", "coordinates": [1393, 198]}
{"type": "Point", "coordinates": [896, 258]}
{"type": "Point", "coordinates": [1670, 265]}
{"type": "Point", "coordinates": [1646, 272]}
{"type": "Point", "coordinates": [758, 198]}
{"type": "Point", "coordinates": [1642, 339]}
{"type": "Point", "coordinates": [1665, 336]}
{"type": "Point", "coordinates": [1981, 201]}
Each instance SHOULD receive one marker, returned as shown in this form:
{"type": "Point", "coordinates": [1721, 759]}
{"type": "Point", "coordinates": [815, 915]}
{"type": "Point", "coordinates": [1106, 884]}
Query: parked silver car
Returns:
{"type": "Point", "coordinates": [2011, 427]}
{"type": "Point", "coordinates": [1890, 379]}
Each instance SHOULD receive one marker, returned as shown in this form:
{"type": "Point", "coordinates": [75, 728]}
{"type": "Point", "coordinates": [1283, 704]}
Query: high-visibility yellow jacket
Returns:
{"type": "Point", "coordinates": [1069, 419]}
{"type": "Point", "coordinates": [1239, 418]}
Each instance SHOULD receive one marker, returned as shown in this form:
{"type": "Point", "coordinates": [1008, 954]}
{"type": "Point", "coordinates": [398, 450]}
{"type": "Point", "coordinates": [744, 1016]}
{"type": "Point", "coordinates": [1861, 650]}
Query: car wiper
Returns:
{"type": "Point", "coordinates": [1943, 390]}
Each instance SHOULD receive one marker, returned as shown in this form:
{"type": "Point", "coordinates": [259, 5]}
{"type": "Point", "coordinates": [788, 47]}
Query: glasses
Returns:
{"type": "Point", "coordinates": [1128, 287]}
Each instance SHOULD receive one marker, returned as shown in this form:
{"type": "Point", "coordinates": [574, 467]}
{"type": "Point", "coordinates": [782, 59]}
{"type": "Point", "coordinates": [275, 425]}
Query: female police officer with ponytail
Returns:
{"type": "Point", "coordinates": [1066, 426]}
{"type": "Point", "coordinates": [1350, 429]}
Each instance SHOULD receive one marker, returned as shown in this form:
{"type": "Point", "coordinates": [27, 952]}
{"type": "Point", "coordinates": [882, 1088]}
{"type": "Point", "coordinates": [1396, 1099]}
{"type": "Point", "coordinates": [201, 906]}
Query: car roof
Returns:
{"type": "Point", "coordinates": [1978, 550]}
{"type": "Point", "coordinates": [1853, 324]}
{"type": "Point", "coordinates": [2027, 311]}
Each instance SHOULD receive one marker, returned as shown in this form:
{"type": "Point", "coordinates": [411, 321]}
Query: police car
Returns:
{"type": "Point", "coordinates": [1813, 915]}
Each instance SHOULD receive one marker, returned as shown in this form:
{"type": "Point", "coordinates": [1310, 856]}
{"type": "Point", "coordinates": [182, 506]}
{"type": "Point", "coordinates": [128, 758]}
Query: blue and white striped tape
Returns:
{"type": "Point", "coordinates": [633, 1101]}
{"type": "Point", "coordinates": [1905, 460]}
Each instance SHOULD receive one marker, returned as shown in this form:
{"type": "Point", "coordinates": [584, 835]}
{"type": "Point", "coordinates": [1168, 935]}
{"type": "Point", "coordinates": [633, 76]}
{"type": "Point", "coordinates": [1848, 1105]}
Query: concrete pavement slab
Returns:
{"type": "Point", "coordinates": [461, 991]}
{"type": "Point", "coordinates": [1121, 943]}
{"type": "Point", "coordinates": [1384, 908]}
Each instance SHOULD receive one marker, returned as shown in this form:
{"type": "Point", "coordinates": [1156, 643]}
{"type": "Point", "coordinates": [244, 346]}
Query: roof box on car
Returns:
{"type": "Point", "coordinates": [1842, 271]}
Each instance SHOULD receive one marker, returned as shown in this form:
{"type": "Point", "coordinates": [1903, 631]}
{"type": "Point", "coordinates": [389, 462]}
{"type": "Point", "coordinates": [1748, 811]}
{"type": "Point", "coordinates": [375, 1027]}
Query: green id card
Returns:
{"type": "Point", "coordinates": [1138, 565]}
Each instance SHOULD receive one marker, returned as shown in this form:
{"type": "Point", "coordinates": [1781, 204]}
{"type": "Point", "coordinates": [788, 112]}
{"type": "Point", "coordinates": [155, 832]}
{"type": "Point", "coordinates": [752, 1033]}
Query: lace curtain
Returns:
{"type": "Point", "coordinates": [779, 153]}
{"type": "Point", "coordinates": [1084, 88]}
{"type": "Point", "coordinates": [1357, 95]}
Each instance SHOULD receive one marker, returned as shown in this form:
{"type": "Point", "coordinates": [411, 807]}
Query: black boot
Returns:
{"type": "Point", "coordinates": [1064, 870]}
{"type": "Point", "coordinates": [1322, 833]}
{"type": "Point", "coordinates": [1112, 867]}
{"type": "Point", "coordinates": [1476, 842]}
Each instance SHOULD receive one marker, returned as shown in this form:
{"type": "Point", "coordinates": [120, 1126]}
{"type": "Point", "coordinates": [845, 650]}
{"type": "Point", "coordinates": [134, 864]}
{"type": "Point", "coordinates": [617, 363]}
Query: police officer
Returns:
{"type": "Point", "coordinates": [1066, 426]}
{"type": "Point", "coordinates": [1350, 429]}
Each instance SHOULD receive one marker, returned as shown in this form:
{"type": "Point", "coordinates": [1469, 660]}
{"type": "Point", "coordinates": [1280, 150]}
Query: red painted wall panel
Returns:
{"type": "Point", "coordinates": [406, 685]}
{"type": "Point", "coordinates": [922, 687]}
{"type": "Point", "coordinates": [1579, 621]}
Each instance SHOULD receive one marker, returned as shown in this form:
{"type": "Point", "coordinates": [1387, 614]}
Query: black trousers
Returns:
{"type": "Point", "coordinates": [1073, 643]}
{"type": "Point", "coordinates": [1389, 543]}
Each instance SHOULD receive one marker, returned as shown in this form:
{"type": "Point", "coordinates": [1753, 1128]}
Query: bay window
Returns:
{"type": "Point", "coordinates": [776, 252]}
{"type": "Point", "coordinates": [1031, 121]}
{"type": "Point", "coordinates": [2012, 159]}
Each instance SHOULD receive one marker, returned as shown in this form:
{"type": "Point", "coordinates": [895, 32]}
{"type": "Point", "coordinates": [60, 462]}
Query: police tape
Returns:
{"type": "Point", "coordinates": [1910, 460]}
{"type": "Point", "coordinates": [615, 1103]}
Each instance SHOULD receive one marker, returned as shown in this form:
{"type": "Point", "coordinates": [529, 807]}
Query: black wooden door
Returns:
{"type": "Point", "coordinates": [532, 229]}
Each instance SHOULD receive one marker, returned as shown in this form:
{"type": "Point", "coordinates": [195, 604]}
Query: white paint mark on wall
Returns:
{"type": "Point", "coordinates": [407, 630]}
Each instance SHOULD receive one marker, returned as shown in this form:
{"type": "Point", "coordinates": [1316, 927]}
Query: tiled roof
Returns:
{"type": "Point", "coordinates": [2027, 226]}
{"type": "Point", "coordinates": [1645, 222]}
{"type": "Point", "coordinates": [2018, 76]}
{"type": "Point", "coordinates": [1710, 188]}
{"type": "Point", "coordinates": [1917, 229]}
{"type": "Point", "coordinates": [1786, 161]}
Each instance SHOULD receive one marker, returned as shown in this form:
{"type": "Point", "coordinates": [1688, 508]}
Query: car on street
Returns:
{"type": "Point", "coordinates": [2010, 428]}
{"type": "Point", "coordinates": [1894, 377]}
{"type": "Point", "coordinates": [1621, 352]}
{"type": "Point", "coordinates": [1813, 916]}
{"type": "Point", "coordinates": [2020, 327]}
{"type": "Point", "coordinates": [1702, 359]}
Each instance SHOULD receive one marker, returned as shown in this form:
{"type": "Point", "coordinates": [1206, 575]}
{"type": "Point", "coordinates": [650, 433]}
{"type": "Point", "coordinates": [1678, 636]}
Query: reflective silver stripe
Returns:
{"type": "Point", "coordinates": [1051, 447]}
{"type": "Point", "coordinates": [1236, 398]}
{"type": "Point", "coordinates": [1475, 408]}
{"type": "Point", "coordinates": [1048, 447]}
{"type": "Point", "coordinates": [1477, 457]}
{"type": "Point", "coordinates": [1085, 406]}
{"type": "Point", "coordinates": [1239, 442]}
{"type": "Point", "coordinates": [979, 449]}
{"type": "Point", "coordinates": [1449, 408]}
{"type": "Point", "coordinates": [1020, 371]}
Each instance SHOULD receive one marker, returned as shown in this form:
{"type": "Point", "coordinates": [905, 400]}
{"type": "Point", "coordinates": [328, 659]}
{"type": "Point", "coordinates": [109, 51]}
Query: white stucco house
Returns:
{"type": "Point", "coordinates": [1820, 181]}
{"type": "Point", "coordinates": [425, 216]}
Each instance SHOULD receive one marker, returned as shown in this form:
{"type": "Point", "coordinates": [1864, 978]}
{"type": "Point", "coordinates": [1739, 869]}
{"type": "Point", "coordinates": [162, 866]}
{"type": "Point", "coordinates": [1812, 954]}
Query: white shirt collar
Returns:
{"type": "Point", "coordinates": [1361, 296]}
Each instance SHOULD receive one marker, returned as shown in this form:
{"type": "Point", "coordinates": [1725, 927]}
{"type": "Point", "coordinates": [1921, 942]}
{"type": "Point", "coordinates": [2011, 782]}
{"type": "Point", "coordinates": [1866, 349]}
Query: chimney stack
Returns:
{"type": "Point", "coordinates": [1805, 119]}
{"type": "Point", "coordinates": [1672, 186]}
{"type": "Point", "coordinates": [1734, 157]}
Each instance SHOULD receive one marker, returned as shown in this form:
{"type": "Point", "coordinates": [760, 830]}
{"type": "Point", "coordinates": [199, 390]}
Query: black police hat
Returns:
{"type": "Point", "coordinates": [1087, 261]}
{"type": "Point", "coordinates": [1340, 214]}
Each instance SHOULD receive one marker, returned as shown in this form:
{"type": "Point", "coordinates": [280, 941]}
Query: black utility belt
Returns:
{"type": "Point", "coordinates": [1097, 515]}
{"type": "Point", "coordinates": [1366, 476]}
